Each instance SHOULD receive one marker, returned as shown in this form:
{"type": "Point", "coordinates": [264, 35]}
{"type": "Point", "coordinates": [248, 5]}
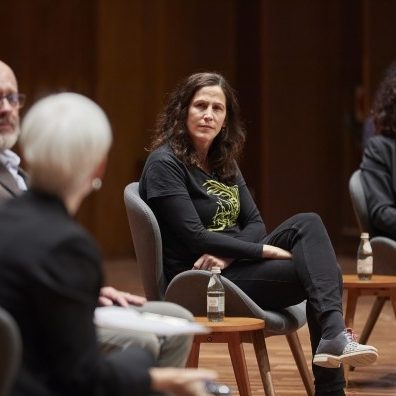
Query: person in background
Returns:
{"type": "Point", "coordinates": [50, 267]}
{"type": "Point", "coordinates": [369, 128]}
{"type": "Point", "coordinates": [208, 218]}
{"type": "Point", "coordinates": [12, 178]}
{"type": "Point", "coordinates": [378, 166]}
{"type": "Point", "coordinates": [168, 351]}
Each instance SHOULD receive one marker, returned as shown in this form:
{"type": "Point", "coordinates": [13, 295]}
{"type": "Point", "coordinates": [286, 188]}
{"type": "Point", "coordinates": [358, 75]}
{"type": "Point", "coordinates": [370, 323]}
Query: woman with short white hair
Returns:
{"type": "Point", "coordinates": [50, 267]}
{"type": "Point", "coordinates": [65, 141]}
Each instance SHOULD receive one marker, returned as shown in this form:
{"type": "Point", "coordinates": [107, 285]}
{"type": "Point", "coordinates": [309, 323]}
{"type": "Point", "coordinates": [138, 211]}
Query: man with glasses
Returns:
{"type": "Point", "coordinates": [12, 177]}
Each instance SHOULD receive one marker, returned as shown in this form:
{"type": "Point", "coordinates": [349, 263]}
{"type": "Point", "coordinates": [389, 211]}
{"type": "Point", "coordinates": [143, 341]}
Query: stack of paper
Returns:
{"type": "Point", "coordinates": [130, 319]}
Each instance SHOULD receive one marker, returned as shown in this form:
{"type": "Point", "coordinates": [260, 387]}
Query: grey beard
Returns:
{"type": "Point", "coordinates": [8, 140]}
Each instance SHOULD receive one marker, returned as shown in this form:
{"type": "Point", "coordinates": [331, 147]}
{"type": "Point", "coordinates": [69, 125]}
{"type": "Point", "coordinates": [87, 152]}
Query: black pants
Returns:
{"type": "Point", "coordinates": [312, 274]}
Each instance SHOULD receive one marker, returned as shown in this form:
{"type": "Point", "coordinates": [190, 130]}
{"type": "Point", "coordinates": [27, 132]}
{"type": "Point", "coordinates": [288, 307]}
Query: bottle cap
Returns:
{"type": "Point", "coordinates": [364, 235]}
{"type": "Point", "coordinates": [216, 270]}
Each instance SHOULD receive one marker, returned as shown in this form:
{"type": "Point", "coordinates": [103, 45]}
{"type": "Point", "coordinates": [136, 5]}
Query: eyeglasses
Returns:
{"type": "Point", "coordinates": [14, 99]}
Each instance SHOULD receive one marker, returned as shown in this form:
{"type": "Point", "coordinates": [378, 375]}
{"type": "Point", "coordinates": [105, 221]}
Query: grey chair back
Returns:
{"type": "Point", "coordinates": [147, 242]}
{"type": "Point", "coordinates": [359, 202]}
{"type": "Point", "coordinates": [10, 351]}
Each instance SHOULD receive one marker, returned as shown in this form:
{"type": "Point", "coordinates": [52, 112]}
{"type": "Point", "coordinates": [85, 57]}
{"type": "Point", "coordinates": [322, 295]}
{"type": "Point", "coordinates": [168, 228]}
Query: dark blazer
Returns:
{"type": "Point", "coordinates": [379, 183]}
{"type": "Point", "coordinates": [8, 186]}
{"type": "Point", "coordinates": [50, 277]}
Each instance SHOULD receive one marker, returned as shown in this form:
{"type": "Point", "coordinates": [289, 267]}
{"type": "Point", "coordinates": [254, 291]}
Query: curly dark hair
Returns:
{"type": "Point", "coordinates": [384, 106]}
{"type": "Point", "coordinates": [171, 127]}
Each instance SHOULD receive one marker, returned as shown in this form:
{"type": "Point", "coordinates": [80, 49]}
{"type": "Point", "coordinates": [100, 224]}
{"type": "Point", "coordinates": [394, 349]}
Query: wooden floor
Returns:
{"type": "Point", "coordinates": [376, 380]}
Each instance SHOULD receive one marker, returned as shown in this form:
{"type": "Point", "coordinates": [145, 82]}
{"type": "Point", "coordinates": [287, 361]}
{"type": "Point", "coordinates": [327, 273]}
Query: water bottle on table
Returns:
{"type": "Point", "coordinates": [364, 258]}
{"type": "Point", "coordinates": [215, 297]}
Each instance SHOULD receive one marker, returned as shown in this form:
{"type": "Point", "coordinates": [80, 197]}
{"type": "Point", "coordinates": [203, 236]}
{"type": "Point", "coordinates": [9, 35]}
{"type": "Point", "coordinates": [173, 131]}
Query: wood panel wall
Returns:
{"type": "Point", "coordinates": [294, 65]}
{"type": "Point", "coordinates": [52, 47]}
{"type": "Point", "coordinates": [378, 32]}
{"type": "Point", "coordinates": [301, 109]}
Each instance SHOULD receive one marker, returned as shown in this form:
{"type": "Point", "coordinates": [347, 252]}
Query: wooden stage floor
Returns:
{"type": "Point", "coordinates": [376, 380]}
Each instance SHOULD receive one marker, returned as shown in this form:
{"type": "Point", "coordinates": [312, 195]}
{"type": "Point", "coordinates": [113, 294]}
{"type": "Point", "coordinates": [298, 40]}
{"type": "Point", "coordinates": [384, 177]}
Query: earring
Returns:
{"type": "Point", "coordinates": [96, 184]}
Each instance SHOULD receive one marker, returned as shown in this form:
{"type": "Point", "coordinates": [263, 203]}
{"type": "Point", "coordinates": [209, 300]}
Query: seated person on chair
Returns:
{"type": "Point", "coordinates": [50, 267]}
{"type": "Point", "coordinates": [168, 351]}
{"type": "Point", "coordinates": [207, 218]}
{"type": "Point", "coordinates": [378, 167]}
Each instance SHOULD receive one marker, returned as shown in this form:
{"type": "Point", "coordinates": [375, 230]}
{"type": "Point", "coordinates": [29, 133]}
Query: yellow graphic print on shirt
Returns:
{"type": "Point", "coordinates": [227, 205]}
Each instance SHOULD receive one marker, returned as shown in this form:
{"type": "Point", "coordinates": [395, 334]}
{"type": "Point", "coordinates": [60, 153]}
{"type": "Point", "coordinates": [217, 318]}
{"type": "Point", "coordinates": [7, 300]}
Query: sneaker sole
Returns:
{"type": "Point", "coordinates": [326, 360]}
{"type": "Point", "coordinates": [357, 359]}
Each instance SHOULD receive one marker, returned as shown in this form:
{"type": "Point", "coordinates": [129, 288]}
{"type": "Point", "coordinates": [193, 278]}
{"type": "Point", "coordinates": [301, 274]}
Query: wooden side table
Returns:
{"type": "Point", "coordinates": [234, 331]}
{"type": "Point", "coordinates": [383, 286]}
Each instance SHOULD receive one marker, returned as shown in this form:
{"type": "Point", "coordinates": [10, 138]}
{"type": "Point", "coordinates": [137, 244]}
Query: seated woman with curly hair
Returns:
{"type": "Point", "coordinates": [208, 218]}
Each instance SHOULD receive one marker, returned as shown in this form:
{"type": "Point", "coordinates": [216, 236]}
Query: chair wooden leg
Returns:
{"type": "Point", "coordinates": [372, 319]}
{"type": "Point", "coordinates": [393, 300]}
{"type": "Point", "coordinates": [299, 357]}
{"type": "Point", "coordinates": [193, 357]}
{"type": "Point", "coordinates": [350, 309]}
{"type": "Point", "coordinates": [235, 346]}
{"type": "Point", "coordinates": [260, 349]}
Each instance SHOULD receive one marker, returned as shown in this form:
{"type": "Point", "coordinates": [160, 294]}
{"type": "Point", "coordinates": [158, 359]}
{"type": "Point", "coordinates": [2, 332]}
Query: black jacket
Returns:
{"type": "Point", "coordinates": [50, 277]}
{"type": "Point", "coordinates": [379, 183]}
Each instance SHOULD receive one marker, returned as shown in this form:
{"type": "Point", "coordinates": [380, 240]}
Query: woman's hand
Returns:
{"type": "Point", "coordinates": [109, 296]}
{"type": "Point", "coordinates": [181, 381]}
{"type": "Point", "coordinates": [275, 252]}
{"type": "Point", "coordinates": [207, 261]}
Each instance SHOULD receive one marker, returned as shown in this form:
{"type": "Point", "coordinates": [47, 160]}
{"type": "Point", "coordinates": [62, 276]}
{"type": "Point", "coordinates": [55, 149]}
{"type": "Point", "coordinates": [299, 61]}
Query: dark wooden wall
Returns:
{"type": "Point", "coordinates": [295, 65]}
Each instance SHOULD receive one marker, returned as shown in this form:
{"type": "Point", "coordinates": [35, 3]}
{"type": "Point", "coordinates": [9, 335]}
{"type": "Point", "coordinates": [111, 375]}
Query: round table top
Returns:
{"type": "Point", "coordinates": [352, 281]}
{"type": "Point", "coordinates": [231, 324]}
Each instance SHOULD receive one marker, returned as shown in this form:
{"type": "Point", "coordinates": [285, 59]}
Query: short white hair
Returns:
{"type": "Point", "coordinates": [64, 138]}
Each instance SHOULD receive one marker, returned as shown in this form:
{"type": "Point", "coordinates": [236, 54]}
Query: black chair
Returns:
{"type": "Point", "coordinates": [384, 249]}
{"type": "Point", "coordinates": [189, 290]}
{"type": "Point", "coordinates": [10, 351]}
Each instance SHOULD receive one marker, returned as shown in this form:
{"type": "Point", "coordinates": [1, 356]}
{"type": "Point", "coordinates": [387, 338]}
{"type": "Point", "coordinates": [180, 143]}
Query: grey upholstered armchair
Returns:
{"type": "Point", "coordinates": [189, 288]}
{"type": "Point", "coordinates": [384, 249]}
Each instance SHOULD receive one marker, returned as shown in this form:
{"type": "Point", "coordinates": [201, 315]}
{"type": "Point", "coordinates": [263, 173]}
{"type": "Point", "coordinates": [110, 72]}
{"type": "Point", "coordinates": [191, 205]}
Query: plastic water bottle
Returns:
{"type": "Point", "coordinates": [215, 297]}
{"type": "Point", "coordinates": [364, 258]}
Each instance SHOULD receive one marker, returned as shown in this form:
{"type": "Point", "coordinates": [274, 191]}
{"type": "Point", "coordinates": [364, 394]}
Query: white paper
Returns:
{"type": "Point", "coordinates": [116, 317]}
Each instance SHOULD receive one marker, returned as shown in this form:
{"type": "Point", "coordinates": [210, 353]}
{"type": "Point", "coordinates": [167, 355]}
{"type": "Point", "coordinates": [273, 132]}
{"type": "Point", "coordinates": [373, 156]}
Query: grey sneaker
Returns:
{"type": "Point", "coordinates": [344, 349]}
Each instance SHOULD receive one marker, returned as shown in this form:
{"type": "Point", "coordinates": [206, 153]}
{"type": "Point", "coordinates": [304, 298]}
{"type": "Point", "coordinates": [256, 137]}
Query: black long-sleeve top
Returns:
{"type": "Point", "coordinates": [198, 214]}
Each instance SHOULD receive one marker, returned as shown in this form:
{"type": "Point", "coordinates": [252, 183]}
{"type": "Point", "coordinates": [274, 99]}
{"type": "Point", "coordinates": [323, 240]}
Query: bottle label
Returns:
{"type": "Point", "coordinates": [365, 266]}
{"type": "Point", "coordinates": [216, 304]}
